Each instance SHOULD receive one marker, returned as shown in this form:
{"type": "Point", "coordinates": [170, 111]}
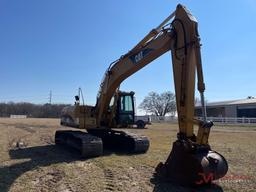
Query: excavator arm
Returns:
{"type": "Point", "coordinates": [182, 38]}
{"type": "Point", "coordinates": [126, 66]}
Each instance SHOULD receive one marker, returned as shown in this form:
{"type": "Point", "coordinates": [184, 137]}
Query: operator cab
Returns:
{"type": "Point", "coordinates": [125, 109]}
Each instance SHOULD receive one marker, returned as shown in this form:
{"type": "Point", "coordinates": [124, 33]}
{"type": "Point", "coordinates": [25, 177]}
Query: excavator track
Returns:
{"type": "Point", "coordinates": [87, 144]}
{"type": "Point", "coordinates": [122, 140]}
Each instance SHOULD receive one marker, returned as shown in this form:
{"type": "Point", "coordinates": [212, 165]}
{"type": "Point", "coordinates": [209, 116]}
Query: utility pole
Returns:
{"type": "Point", "coordinates": [50, 97]}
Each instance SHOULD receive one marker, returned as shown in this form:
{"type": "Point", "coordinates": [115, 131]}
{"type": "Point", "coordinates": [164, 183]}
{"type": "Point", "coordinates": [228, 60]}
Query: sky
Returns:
{"type": "Point", "coordinates": [62, 45]}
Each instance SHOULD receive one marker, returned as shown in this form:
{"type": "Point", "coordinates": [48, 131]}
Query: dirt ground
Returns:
{"type": "Point", "coordinates": [29, 160]}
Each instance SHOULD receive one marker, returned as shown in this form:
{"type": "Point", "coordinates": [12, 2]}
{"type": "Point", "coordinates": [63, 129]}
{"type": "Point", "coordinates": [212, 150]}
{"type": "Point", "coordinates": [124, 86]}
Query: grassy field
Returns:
{"type": "Point", "coordinates": [29, 160]}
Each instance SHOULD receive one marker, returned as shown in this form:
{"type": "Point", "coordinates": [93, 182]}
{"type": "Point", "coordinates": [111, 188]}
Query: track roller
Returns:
{"type": "Point", "coordinates": [122, 140]}
{"type": "Point", "coordinates": [88, 145]}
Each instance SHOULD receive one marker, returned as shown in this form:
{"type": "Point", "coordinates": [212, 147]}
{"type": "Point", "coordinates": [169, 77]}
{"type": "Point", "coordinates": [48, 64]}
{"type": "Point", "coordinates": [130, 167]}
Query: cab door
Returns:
{"type": "Point", "coordinates": [125, 110]}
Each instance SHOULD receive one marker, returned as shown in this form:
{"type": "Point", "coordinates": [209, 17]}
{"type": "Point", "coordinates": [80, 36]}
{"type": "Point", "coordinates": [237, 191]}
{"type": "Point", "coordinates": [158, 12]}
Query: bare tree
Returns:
{"type": "Point", "coordinates": [159, 104]}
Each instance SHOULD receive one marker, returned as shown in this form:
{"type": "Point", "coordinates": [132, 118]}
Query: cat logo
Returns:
{"type": "Point", "coordinates": [139, 56]}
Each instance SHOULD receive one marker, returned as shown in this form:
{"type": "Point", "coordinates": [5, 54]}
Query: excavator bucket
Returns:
{"type": "Point", "coordinates": [192, 165]}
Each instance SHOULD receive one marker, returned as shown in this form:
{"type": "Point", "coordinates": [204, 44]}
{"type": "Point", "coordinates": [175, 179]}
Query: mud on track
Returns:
{"type": "Point", "coordinates": [29, 161]}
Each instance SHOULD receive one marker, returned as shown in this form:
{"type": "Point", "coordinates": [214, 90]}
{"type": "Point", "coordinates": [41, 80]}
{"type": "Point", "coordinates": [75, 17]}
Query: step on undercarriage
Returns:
{"type": "Point", "coordinates": [91, 144]}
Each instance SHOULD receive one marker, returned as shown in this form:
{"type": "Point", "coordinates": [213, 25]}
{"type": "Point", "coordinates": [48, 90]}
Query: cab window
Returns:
{"type": "Point", "coordinates": [126, 104]}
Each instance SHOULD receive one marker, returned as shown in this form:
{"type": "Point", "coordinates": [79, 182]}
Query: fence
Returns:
{"type": "Point", "coordinates": [18, 116]}
{"type": "Point", "coordinates": [162, 119]}
{"type": "Point", "coordinates": [218, 120]}
{"type": "Point", "coordinates": [231, 120]}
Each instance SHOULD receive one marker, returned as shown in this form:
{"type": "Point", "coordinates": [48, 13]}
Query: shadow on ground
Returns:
{"type": "Point", "coordinates": [38, 156]}
{"type": "Point", "coordinates": [41, 156]}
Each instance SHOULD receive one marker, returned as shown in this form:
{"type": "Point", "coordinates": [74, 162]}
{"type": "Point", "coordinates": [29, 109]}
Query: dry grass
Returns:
{"type": "Point", "coordinates": [35, 164]}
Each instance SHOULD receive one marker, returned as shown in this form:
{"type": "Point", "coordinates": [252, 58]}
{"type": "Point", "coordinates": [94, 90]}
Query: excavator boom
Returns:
{"type": "Point", "coordinates": [181, 37]}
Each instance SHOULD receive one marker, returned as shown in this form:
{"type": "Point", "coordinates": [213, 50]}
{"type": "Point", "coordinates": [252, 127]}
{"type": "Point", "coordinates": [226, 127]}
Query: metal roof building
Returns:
{"type": "Point", "coordinates": [233, 108]}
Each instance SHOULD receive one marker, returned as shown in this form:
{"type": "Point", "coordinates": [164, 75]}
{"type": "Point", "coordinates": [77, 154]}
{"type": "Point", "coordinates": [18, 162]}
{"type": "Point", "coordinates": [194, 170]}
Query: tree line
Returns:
{"type": "Point", "coordinates": [154, 104]}
{"type": "Point", "coordinates": [31, 110]}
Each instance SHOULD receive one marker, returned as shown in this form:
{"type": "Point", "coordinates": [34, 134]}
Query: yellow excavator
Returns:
{"type": "Point", "coordinates": [191, 157]}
